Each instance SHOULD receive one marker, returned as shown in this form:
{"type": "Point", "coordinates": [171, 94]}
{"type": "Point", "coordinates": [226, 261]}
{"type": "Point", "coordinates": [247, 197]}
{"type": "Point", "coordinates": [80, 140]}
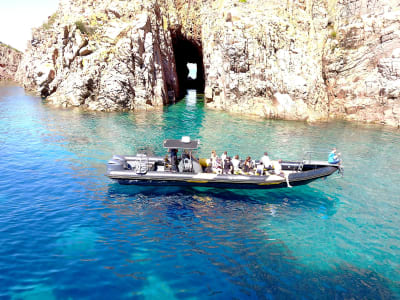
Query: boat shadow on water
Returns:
{"type": "Point", "coordinates": [304, 196]}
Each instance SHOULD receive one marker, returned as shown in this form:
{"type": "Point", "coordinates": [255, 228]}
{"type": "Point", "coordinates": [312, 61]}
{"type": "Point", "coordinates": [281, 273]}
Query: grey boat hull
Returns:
{"type": "Point", "coordinates": [297, 173]}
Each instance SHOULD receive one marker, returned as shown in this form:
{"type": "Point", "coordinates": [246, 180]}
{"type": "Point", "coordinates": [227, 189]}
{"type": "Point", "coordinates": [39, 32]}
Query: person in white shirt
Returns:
{"type": "Point", "coordinates": [278, 171]}
{"type": "Point", "coordinates": [278, 167]}
{"type": "Point", "coordinates": [236, 163]}
{"type": "Point", "coordinates": [215, 163]}
{"type": "Point", "coordinates": [223, 157]}
{"type": "Point", "coordinates": [260, 169]}
{"type": "Point", "coordinates": [266, 161]}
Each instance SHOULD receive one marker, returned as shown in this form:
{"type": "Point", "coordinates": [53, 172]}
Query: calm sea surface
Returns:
{"type": "Point", "coordinates": [68, 232]}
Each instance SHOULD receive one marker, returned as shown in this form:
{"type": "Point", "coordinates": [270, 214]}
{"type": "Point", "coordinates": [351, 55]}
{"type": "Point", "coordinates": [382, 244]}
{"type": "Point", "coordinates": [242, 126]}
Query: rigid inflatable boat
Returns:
{"type": "Point", "coordinates": [185, 170]}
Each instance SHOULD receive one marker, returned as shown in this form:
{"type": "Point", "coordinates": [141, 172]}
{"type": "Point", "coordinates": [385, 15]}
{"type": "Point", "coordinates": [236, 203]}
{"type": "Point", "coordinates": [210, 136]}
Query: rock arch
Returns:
{"type": "Point", "coordinates": [186, 51]}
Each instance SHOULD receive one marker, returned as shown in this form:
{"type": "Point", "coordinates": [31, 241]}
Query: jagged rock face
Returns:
{"type": "Point", "coordinates": [362, 63]}
{"type": "Point", "coordinates": [264, 58]}
{"type": "Point", "coordinates": [9, 61]}
{"type": "Point", "coordinates": [302, 59]}
{"type": "Point", "coordinates": [311, 60]}
{"type": "Point", "coordinates": [109, 55]}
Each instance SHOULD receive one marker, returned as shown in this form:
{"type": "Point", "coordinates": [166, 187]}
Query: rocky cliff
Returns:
{"type": "Point", "coordinates": [361, 62]}
{"type": "Point", "coordinates": [9, 61]}
{"type": "Point", "coordinates": [301, 59]}
{"type": "Point", "coordinates": [308, 60]}
{"type": "Point", "coordinates": [108, 55]}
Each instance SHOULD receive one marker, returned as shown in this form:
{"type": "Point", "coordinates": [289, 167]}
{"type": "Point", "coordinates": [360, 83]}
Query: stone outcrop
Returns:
{"type": "Point", "coordinates": [308, 60]}
{"type": "Point", "coordinates": [362, 62]}
{"type": "Point", "coordinates": [302, 59]}
{"type": "Point", "coordinates": [9, 61]}
{"type": "Point", "coordinates": [109, 55]}
{"type": "Point", "coordinates": [264, 58]}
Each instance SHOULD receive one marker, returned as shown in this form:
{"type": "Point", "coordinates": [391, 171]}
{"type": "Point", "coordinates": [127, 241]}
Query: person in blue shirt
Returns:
{"type": "Point", "coordinates": [333, 158]}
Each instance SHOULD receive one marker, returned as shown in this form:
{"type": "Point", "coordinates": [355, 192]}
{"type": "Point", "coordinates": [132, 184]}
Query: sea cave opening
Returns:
{"type": "Point", "coordinates": [189, 63]}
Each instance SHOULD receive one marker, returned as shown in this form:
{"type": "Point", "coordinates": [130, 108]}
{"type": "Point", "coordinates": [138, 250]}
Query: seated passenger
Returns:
{"type": "Point", "coordinates": [228, 167]}
{"type": "Point", "coordinates": [215, 163]}
{"type": "Point", "coordinates": [211, 162]}
{"type": "Point", "coordinates": [333, 158]}
{"type": "Point", "coordinates": [248, 165]}
{"type": "Point", "coordinates": [260, 169]}
{"type": "Point", "coordinates": [278, 171]}
{"type": "Point", "coordinates": [236, 164]}
{"type": "Point", "coordinates": [278, 167]}
{"type": "Point", "coordinates": [266, 161]}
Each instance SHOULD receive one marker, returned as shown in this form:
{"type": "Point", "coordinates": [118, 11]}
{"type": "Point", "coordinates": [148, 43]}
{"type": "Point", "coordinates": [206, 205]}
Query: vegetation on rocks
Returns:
{"type": "Point", "coordinates": [9, 47]}
{"type": "Point", "coordinates": [83, 28]}
{"type": "Point", "coordinates": [50, 22]}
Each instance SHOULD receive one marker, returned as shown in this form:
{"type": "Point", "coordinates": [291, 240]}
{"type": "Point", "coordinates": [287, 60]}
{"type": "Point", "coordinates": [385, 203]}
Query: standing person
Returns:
{"type": "Point", "coordinates": [174, 160]}
{"type": "Point", "coordinates": [266, 161]}
{"type": "Point", "coordinates": [333, 158]}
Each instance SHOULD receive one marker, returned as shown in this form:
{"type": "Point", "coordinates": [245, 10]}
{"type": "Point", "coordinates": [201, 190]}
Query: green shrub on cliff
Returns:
{"type": "Point", "coordinates": [84, 28]}
{"type": "Point", "coordinates": [10, 47]}
{"type": "Point", "coordinates": [50, 22]}
{"type": "Point", "coordinates": [81, 26]}
{"type": "Point", "coordinates": [242, 1]}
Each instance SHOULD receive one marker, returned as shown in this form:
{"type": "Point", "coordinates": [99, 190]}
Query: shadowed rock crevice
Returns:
{"type": "Point", "coordinates": [187, 51]}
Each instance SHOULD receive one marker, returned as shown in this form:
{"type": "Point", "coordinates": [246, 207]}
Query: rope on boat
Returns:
{"type": "Point", "coordinates": [287, 180]}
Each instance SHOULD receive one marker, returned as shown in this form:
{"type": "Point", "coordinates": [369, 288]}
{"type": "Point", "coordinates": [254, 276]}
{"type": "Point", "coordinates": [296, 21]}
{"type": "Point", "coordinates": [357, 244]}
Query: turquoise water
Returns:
{"type": "Point", "coordinates": [67, 232]}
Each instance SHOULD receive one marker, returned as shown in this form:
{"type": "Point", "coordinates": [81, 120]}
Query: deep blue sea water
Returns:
{"type": "Point", "coordinates": [68, 232]}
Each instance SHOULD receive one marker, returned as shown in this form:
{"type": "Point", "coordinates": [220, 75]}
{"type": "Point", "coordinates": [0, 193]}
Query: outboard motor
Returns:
{"type": "Point", "coordinates": [117, 163]}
